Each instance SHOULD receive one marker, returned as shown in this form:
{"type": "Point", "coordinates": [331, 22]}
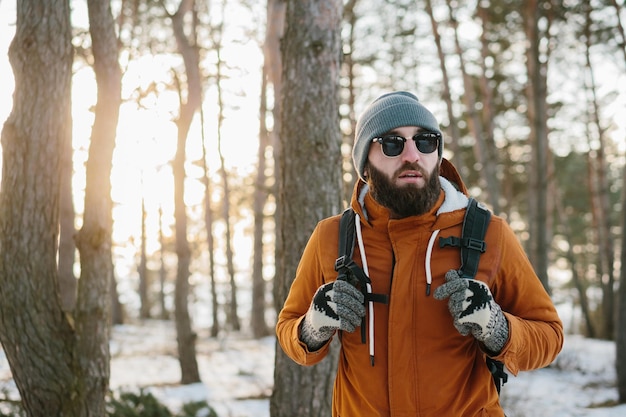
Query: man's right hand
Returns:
{"type": "Point", "coordinates": [336, 306]}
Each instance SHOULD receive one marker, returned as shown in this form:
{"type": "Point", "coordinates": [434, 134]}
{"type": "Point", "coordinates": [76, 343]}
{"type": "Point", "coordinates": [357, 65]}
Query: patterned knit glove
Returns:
{"type": "Point", "coordinates": [337, 305]}
{"type": "Point", "coordinates": [474, 310]}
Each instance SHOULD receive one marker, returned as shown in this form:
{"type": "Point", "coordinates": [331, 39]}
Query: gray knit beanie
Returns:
{"type": "Point", "coordinates": [387, 112]}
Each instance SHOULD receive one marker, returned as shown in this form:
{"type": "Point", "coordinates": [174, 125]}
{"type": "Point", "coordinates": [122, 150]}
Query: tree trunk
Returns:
{"type": "Point", "coordinates": [94, 239]}
{"type": "Point", "coordinates": [350, 17]}
{"type": "Point", "coordinates": [257, 319]}
{"type": "Point", "coordinates": [37, 338]}
{"type": "Point", "coordinates": [232, 311]}
{"type": "Point", "coordinates": [580, 283]}
{"type": "Point", "coordinates": [117, 310]}
{"type": "Point", "coordinates": [620, 334]}
{"type": "Point", "coordinates": [276, 10]}
{"type": "Point", "coordinates": [208, 224]}
{"type": "Point", "coordinates": [600, 194]}
{"type": "Point", "coordinates": [536, 94]}
{"type": "Point", "coordinates": [620, 26]}
{"type": "Point", "coordinates": [144, 309]}
{"type": "Point", "coordinates": [620, 344]}
{"type": "Point", "coordinates": [272, 66]}
{"type": "Point", "coordinates": [487, 167]}
{"type": "Point", "coordinates": [162, 272]}
{"type": "Point", "coordinates": [454, 130]}
{"type": "Point", "coordinates": [310, 181]}
{"type": "Point", "coordinates": [232, 316]}
{"type": "Point", "coordinates": [65, 375]}
{"type": "Point", "coordinates": [186, 337]}
{"type": "Point", "coordinates": [488, 112]}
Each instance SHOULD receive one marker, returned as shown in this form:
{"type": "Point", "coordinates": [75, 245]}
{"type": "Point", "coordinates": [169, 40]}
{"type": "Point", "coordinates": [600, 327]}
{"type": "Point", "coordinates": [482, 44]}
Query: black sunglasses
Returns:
{"type": "Point", "coordinates": [393, 145]}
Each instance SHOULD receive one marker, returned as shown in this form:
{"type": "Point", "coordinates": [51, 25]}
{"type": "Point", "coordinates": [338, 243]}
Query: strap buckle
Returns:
{"type": "Point", "coordinates": [475, 244]}
{"type": "Point", "coordinates": [342, 262]}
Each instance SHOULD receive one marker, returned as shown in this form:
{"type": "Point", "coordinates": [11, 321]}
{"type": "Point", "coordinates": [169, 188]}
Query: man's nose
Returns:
{"type": "Point", "coordinates": [410, 152]}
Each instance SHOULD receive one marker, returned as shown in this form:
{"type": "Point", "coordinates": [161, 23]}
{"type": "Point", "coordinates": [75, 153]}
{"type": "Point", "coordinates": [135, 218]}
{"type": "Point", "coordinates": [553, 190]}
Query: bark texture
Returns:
{"type": "Point", "coordinates": [309, 182]}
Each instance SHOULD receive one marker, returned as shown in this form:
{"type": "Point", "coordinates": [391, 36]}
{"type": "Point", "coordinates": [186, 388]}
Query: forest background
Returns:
{"type": "Point", "coordinates": [176, 196]}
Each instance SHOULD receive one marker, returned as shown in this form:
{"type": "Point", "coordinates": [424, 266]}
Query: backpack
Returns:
{"type": "Point", "coordinates": [471, 243]}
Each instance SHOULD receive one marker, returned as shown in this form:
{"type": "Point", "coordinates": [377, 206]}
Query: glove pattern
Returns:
{"type": "Point", "coordinates": [474, 310]}
{"type": "Point", "coordinates": [336, 306]}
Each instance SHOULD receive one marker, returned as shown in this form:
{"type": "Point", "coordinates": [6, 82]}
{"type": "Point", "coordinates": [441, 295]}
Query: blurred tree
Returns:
{"type": "Point", "coordinates": [537, 35]}
{"type": "Point", "coordinates": [599, 189]}
{"type": "Point", "coordinates": [232, 315]}
{"type": "Point", "coordinates": [271, 77]}
{"type": "Point", "coordinates": [564, 229]}
{"type": "Point", "coordinates": [479, 126]}
{"type": "Point", "coordinates": [620, 345]}
{"type": "Point", "coordinates": [272, 64]}
{"type": "Point", "coordinates": [486, 84]}
{"type": "Point", "coordinates": [257, 314]}
{"type": "Point", "coordinates": [310, 181]}
{"type": "Point", "coordinates": [144, 300]}
{"type": "Point", "coordinates": [350, 19]}
{"type": "Point", "coordinates": [620, 27]}
{"type": "Point", "coordinates": [93, 306]}
{"type": "Point", "coordinates": [208, 224]}
{"type": "Point", "coordinates": [162, 269]}
{"type": "Point", "coordinates": [117, 310]}
{"type": "Point", "coordinates": [190, 96]}
{"type": "Point", "coordinates": [453, 128]}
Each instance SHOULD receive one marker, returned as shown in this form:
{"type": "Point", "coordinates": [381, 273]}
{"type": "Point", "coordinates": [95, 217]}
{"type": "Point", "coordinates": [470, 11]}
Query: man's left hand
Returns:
{"type": "Point", "coordinates": [474, 310]}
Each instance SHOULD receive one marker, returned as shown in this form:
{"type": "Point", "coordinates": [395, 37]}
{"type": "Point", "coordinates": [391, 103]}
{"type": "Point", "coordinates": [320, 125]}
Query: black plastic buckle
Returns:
{"type": "Point", "coordinates": [449, 241]}
{"type": "Point", "coordinates": [476, 244]}
{"type": "Point", "coordinates": [341, 263]}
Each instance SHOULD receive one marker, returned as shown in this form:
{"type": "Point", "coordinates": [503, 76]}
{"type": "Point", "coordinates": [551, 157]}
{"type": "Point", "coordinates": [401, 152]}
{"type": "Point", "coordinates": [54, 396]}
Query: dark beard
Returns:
{"type": "Point", "coordinates": [407, 200]}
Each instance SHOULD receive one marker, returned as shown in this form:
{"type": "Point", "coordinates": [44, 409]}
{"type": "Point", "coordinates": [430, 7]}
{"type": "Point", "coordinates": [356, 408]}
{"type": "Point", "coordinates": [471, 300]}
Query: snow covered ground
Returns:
{"type": "Point", "coordinates": [237, 375]}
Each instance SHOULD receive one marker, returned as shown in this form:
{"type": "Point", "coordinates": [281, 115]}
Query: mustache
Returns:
{"type": "Point", "coordinates": [408, 166]}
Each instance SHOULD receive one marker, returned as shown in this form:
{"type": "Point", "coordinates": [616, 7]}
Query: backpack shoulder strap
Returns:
{"type": "Point", "coordinates": [346, 267]}
{"type": "Point", "coordinates": [472, 245]}
{"type": "Point", "coordinates": [346, 238]}
{"type": "Point", "coordinates": [475, 225]}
